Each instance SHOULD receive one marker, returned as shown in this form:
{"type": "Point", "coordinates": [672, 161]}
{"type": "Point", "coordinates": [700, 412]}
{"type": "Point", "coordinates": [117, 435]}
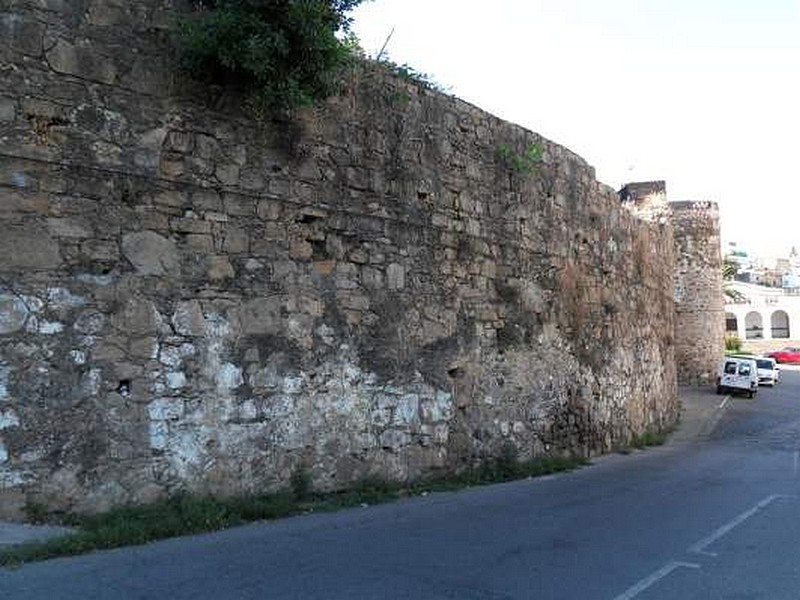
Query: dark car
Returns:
{"type": "Point", "coordinates": [787, 355]}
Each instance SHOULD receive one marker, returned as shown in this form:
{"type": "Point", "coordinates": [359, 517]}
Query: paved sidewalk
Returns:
{"type": "Point", "coordinates": [701, 409]}
{"type": "Point", "coordinates": [19, 533]}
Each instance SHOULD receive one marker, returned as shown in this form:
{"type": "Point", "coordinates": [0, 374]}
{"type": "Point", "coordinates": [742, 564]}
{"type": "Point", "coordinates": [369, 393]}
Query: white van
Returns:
{"type": "Point", "coordinates": [737, 374]}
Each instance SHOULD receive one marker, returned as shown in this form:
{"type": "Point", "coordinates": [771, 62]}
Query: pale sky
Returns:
{"type": "Point", "coordinates": [702, 93]}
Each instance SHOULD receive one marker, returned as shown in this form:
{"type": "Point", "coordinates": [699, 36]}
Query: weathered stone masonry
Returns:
{"type": "Point", "coordinates": [699, 302]}
{"type": "Point", "coordinates": [190, 300]}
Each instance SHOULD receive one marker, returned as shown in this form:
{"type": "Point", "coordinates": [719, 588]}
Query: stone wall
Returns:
{"type": "Point", "coordinates": [190, 299]}
{"type": "Point", "coordinates": [699, 302]}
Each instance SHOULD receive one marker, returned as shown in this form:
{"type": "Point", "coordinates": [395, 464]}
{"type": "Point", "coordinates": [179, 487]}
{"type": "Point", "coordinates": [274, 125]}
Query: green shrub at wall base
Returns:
{"type": "Point", "coordinates": [285, 52]}
{"type": "Point", "coordinates": [733, 344]}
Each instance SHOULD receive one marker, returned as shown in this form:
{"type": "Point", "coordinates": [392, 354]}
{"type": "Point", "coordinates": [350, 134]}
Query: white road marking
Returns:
{"type": "Point", "coordinates": [699, 547]}
{"type": "Point", "coordinates": [724, 401]}
{"type": "Point", "coordinates": [645, 583]}
{"type": "Point", "coordinates": [796, 460]}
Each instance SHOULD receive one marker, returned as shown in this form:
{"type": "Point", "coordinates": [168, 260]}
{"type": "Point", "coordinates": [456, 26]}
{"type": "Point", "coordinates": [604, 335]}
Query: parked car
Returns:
{"type": "Point", "coordinates": [768, 371]}
{"type": "Point", "coordinates": [737, 374]}
{"type": "Point", "coordinates": [787, 355]}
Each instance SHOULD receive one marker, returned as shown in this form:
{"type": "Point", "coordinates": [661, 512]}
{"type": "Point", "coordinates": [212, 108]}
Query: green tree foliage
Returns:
{"type": "Point", "coordinates": [729, 270]}
{"type": "Point", "coordinates": [284, 51]}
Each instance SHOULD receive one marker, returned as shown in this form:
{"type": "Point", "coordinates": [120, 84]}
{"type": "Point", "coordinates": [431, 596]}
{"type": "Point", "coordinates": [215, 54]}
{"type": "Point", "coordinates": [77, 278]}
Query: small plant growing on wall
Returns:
{"type": "Point", "coordinates": [285, 52]}
{"type": "Point", "coordinates": [523, 163]}
{"type": "Point", "coordinates": [411, 75]}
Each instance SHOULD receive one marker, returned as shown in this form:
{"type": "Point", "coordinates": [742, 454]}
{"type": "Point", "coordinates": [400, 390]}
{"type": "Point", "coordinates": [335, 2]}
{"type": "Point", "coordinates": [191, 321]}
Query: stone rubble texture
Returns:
{"type": "Point", "coordinates": [699, 301]}
{"type": "Point", "coordinates": [697, 273]}
{"type": "Point", "coordinates": [191, 300]}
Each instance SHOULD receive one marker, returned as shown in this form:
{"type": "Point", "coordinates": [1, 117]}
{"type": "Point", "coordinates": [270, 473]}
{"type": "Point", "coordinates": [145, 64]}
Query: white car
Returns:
{"type": "Point", "coordinates": [768, 371]}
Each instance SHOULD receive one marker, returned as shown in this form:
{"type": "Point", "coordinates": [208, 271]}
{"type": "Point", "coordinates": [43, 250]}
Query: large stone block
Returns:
{"type": "Point", "coordinates": [82, 61]}
{"type": "Point", "coordinates": [8, 109]}
{"type": "Point", "coordinates": [151, 253]}
{"type": "Point", "coordinates": [27, 246]}
{"type": "Point", "coordinates": [261, 316]}
{"type": "Point", "coordinates": [21, 33]}
{"type": "Point", "coordinates": [188, 318]}
{"type": "Point", "coordinates": [13, 313]}
{"type": "Point", "coordinates": [137, 317]}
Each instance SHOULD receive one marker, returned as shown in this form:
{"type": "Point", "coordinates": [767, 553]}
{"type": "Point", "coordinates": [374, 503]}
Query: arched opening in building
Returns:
{"type": "Point", "coordinates": [779, 322]}
{"type": "Point", "coordinates": [731, 324]}
{"type": "Point", "coordinates": [753, 326]}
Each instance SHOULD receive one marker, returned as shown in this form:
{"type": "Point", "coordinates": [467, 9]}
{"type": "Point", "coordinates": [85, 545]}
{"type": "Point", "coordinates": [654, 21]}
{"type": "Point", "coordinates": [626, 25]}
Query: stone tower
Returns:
{"type": "Point", "coordinates": [699, 303]}
{"type": "Point", "coordinates": [699, 319]}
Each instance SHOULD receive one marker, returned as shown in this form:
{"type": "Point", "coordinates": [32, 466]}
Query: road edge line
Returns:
{"type": "Point", "coordinates": [653, 578]}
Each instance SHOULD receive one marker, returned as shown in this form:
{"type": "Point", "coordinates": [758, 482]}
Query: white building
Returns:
{"type": "Point", "coordinates": [763, 313]}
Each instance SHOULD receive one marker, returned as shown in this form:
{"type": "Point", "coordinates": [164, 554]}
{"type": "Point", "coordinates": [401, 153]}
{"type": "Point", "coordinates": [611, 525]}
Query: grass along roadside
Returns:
{"type": "Point", "coordinates": [646, 440]}
{"type": "Point", "coordinates": [649, 438]}
{"type": "Point", "coordinates": [186, 514]}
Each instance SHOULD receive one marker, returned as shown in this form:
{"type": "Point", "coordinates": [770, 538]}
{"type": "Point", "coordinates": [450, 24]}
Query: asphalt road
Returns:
{"type": "Point", "coordinates": [714, 518]}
